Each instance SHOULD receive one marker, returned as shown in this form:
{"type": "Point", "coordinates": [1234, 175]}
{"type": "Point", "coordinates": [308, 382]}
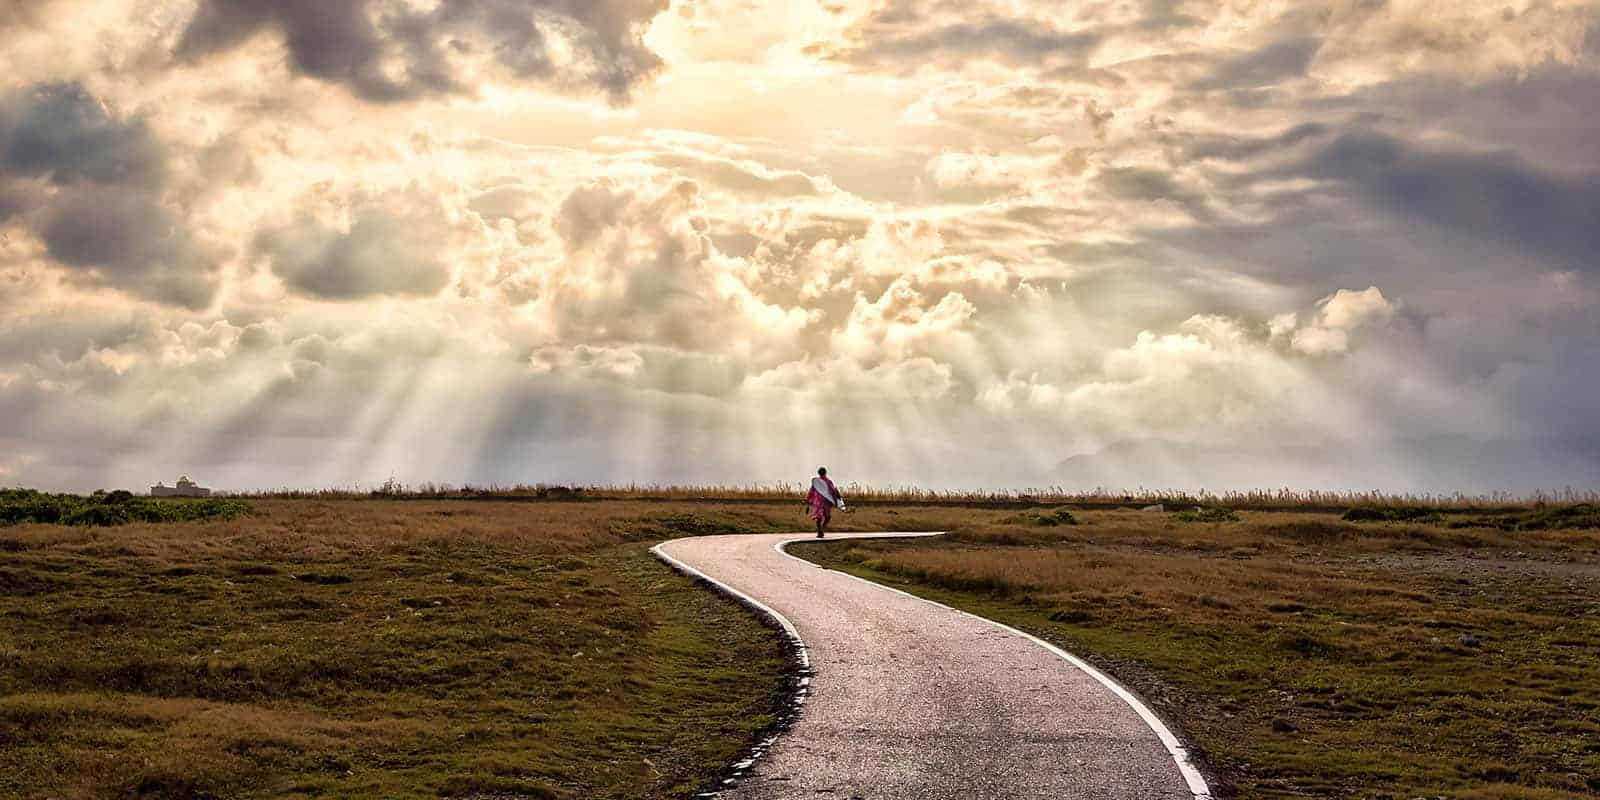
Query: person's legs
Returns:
{"type": "Point", "coordinates": [819, 526]}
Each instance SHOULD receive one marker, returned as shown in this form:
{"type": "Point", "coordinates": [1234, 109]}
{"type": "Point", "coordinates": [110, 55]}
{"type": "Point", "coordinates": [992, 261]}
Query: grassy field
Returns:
{"type": "Point", "coordinates": [338, 644]}
{"type": "Point", "coordinates": [1308, 656]}
{"type": "Point", "coordinates": [378, 648]}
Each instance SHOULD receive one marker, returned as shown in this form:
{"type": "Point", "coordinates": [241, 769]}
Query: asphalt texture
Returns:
{"type": "Point", "coordinates": [910, 699]}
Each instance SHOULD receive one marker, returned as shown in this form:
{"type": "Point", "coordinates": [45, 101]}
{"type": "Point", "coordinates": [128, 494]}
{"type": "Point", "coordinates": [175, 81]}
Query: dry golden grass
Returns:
{"type": "Point", "coordinates": [409, 646]}
{"type": "Point", "coordinates": [1348, 638]}
{"type": "Point", "coordinates": [376, 649]}
{"type": "Point", "coordinates": [384, 648]}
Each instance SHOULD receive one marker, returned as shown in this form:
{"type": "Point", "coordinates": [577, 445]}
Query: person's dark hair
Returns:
{"type": "Point", "coordinates": [822, 470]}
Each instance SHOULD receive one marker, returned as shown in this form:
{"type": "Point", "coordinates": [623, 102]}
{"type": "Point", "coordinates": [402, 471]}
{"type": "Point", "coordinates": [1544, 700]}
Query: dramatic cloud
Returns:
{"type": "Point", "coordinates": [940, 242]}
{"type": "Point", "coordinates": [129, 238]}
{"type": "Point", "coordinates": [65, 135]}
{"type": "Point", "coordinates": [1328, 331]}
{"type": "Point", "coordinates": [388, 51]}
{"type": "Point", "coordinates": [387, 245]}
{"type": "Point", "coordinates": [1496, 198]}
{"type": "Point", "coordinates": [891, 39]}
{"type": "Point", "coordinates": [92, 188]}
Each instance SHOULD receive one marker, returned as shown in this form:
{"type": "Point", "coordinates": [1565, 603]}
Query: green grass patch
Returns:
{"type": "Point", "coordinates": [1391, 514]}
{"type": "Point", "coordinates": [19, 506]}
{"type": "Point", "coordinates": [1577, 517]}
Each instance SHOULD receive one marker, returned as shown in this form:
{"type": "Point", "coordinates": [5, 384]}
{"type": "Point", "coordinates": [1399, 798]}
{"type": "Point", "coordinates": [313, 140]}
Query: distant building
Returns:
{"type": "Point", "coordinates": [185, 488]}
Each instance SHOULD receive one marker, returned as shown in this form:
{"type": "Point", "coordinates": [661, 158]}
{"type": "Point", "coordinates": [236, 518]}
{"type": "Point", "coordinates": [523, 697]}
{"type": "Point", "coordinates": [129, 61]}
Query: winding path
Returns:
{"type": "Point", "coordinates": [913, 700]}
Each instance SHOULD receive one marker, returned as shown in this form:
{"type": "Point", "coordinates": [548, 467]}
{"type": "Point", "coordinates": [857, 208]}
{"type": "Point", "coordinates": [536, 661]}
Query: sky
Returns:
{"type": "Point", "coordinates": [979, 243]}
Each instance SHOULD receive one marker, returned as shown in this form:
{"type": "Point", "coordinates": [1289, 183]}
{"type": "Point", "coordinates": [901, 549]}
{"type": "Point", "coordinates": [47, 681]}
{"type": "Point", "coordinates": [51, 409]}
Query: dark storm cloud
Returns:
{"type": "Point", "coordinates": [63, 134]}
{"type": "Point", "coordinates": [1008, 40]}
{"type": "Point", "coordinates": [126, 233]}
{"type": "Point", "coordinates": [1493, 198]}
{"type": "Point", "coordinates": [332, 41]}
{"type": "Point", "coordinates": [1162, 15]}
{"type": "Point", "coordinates": [1381, 208]}
{"type": "Point", "coordinates": [1244, 148]}
{"type": "Point", "coordinates": [907, 33]}
{"type": "Point", "coordinates": [383, 252]}
{"type": "Point", "coordinates": [1546, 115]}
{"type": "Point", "coordinates": [1264, 67]}
{"type": "Point", "coordinates": [385, 52]}
{"type": "Point", "coordinates": [91, 187]}
{"type": "Point", "coordinates": [14, 199]}
{"type": "Point", "coordinates": [1150, 185]}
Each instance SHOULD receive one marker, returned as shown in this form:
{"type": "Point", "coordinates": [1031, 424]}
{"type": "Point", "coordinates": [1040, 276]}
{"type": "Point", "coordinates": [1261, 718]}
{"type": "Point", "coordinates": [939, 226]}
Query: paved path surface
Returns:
{"type": "Point", "coordinates": [913, 700]}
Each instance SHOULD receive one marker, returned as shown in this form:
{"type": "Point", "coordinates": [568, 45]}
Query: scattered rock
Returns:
{"type": "Point", "coordinates": [1158, 507]}
{"type": "Point", "coordinates": [1468, 640]}
{"type": "Point", "coordinates": [1281, 725]}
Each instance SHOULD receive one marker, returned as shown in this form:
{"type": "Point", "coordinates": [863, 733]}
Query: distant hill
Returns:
{"type": "Point", "coordinates": [1414, 465]}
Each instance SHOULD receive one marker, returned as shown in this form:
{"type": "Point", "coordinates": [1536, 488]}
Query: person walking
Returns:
{"type": "Point", "coordinates": [823, 498]}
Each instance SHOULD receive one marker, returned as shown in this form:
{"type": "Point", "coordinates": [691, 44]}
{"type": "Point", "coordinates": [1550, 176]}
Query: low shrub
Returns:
{"type": "Point", "coordinates": [1582, 515]}
{"type": "Point", "coordinates": [1207, 515]}
{"type": "Point", "coordinates": [1395, 514]}
{"type": "Point", "coordinates": [120, 507]}
{"type": "Point", "coordinates": [1060, 516]}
